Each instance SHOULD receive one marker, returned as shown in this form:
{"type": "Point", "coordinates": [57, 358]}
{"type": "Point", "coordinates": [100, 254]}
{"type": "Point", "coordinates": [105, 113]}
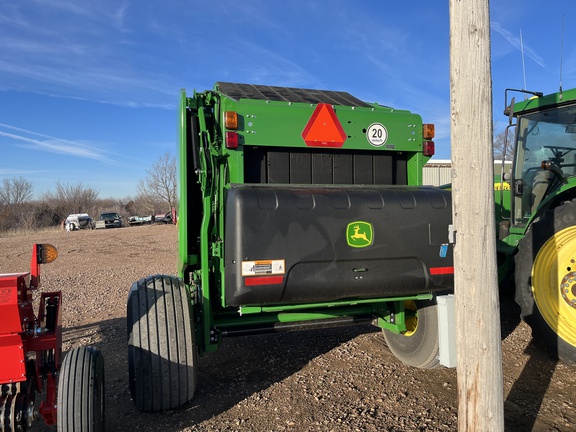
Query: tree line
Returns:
{"type": "Point", "coordinates": [156, 193]}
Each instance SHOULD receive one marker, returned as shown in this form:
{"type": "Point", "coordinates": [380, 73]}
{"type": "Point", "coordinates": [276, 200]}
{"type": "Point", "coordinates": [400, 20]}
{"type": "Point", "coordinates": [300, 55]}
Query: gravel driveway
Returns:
{"type": "Point", "coordinates": [341, 379]}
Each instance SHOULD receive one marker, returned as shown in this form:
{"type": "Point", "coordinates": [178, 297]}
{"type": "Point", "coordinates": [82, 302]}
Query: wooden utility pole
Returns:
{"type": "Point", "coordinates": [479, 349]}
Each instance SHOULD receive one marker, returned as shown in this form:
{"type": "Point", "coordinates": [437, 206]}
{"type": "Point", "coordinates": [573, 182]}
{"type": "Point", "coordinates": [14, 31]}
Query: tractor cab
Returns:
{"type": "Point", "coordinates": [545, 158]}
{"type": "Point", "coordinates": [545, 154]}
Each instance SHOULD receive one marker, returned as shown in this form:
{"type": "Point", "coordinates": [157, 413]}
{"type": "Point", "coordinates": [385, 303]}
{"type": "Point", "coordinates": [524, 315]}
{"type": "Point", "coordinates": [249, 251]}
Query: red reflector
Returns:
{"type": "Point", "coordinates": [428, 148]}
{"type": "Point", "coordinates": [231, 140]}
{"type": "Point", "coordinates": [324, 129]}
{"type": "Point", "coordinates": [441, 270]}
{"type": "Point", "coordinates": [264, 280]}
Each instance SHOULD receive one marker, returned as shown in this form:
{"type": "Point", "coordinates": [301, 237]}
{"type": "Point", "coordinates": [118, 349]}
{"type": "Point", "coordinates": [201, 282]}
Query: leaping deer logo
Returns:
{"type": "Point", "coordinates": [359, 234]}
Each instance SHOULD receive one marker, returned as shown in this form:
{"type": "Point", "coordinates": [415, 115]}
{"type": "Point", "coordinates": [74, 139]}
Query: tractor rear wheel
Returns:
{"type": "Point", "coordinates": [418, 346]}
{"type": "Point", "coordinates": [162, 353]}
{"type": "Point", "coordinates": [546, 280]}
{"type": "Point", "coordinates": [80, 398]}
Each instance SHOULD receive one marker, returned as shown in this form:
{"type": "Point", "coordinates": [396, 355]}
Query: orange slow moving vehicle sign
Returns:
{"type": "Point", "coordinates": [323, 129]}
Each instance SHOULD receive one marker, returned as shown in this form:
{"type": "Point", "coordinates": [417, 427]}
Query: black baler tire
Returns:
{"type": "Point", "coordinates": [420, 349]}
{"type": "Point", "coordinates": [80, 399]}
{"type": "Point", "coordinates": [162, 352]}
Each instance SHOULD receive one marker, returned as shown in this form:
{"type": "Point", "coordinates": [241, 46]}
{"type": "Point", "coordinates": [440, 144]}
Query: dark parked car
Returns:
{"type": "Point", "coordinates": [109, 220]}
{"type": "Point", "coordinates": [164, 218]}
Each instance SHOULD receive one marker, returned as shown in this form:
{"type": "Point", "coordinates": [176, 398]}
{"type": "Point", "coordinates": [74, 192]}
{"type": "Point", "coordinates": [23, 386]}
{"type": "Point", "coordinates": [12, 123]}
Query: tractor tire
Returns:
{"type": "Point", "coordinates": [546, 280]}
{"type": "Point", "coordinates": [162, 352]}
{"type": "Point", "coordinates": [419, 345]}
{"type": "Point", "coordinates": [80, 397]}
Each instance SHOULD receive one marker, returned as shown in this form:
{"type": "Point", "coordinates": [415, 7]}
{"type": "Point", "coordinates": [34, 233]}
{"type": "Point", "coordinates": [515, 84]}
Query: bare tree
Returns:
{"type": "Point", "coordinates": [14, 191]}
{"type": "Point", "coordinates": [71, 198]}
{"type": "Point", "coordinates": [503, 146]}
{"type": "Point", "coordinates": [160, 183]}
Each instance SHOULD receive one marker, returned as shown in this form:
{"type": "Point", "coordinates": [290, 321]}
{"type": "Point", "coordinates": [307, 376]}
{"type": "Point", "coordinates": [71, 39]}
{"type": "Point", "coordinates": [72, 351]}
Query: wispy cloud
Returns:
{"type": "Point", "coordinates": [70, 6]}
{"type": "Point", "coordinates": [18, 172]}
{"type": "Point", "coordinates": [51, 144]}
{"type": "Point", "coordinates": [518, 44]}
{"type": "Point", "coordinates": [267, 67]}
{"type": "Point", "coordinates": [111, 13]}
{"type": "Point", "coordinates": [99, 84]}
{"type": "Point", "coordinates": [85, 51]}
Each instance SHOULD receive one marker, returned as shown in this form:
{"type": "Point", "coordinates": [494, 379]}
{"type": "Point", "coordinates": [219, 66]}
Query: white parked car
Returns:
{"type": "Point", "coordinates": [79, 221]}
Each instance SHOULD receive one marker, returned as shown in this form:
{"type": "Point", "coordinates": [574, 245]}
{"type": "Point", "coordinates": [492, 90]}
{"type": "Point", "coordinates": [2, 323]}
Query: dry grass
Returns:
{"type": "Point", "coordinates": [24, 232]}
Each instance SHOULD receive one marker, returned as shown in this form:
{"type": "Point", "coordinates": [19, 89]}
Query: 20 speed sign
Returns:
{"type": "Point", "coordinates": [377, 134]}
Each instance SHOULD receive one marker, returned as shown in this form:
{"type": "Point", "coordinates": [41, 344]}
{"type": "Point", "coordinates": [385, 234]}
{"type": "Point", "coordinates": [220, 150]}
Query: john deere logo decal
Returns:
{"type": "Point", "coordinates": [359, 234]}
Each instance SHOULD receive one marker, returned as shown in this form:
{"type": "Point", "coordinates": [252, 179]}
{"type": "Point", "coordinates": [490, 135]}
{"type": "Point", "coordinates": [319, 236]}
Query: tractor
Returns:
{"type": "Point", "coordinates": [536, 211]}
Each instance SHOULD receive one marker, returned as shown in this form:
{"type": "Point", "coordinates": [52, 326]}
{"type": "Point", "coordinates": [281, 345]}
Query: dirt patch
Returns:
{"type": "Point", "coordinates": [342, 379]}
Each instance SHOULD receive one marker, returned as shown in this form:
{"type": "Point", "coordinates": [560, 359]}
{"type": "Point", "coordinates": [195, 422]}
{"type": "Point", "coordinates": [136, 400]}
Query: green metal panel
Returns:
{"type": "Point", "coordinates": [547, 101]}
{"type": "Point", "coordinates": [281, 124]}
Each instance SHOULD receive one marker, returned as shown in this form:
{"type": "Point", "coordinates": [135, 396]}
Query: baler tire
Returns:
{"type": "Point", "coordinates": [162, 352]}
{"type": "Point", "coordinates": [418, 347]}
{"type": "Point", "coordinates": [80, 399]}
{"type": "Point", "coordinates": [545, 275]}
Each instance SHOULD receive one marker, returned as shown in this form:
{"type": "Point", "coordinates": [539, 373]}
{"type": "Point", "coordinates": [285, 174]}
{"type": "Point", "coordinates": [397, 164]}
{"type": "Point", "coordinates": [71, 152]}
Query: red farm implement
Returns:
{"type": "Point", "coordinates": [31, 359]}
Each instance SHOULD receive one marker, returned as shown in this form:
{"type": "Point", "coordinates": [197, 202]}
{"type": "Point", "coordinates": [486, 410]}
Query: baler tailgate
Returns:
{"type": "Point", "coordinates": [293, 245]}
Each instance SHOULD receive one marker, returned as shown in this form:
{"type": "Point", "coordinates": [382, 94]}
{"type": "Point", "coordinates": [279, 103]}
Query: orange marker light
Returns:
{"type": "Point", "coordinates": [231, 120]}
{"type": "Point", "coordinates": [428, 131]}
{"type": "Point", "coordinates": [48, 253]}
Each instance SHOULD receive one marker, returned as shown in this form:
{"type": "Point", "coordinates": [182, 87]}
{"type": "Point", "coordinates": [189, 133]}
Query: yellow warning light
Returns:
{"type": "Point", "coordinates": [48, 253]}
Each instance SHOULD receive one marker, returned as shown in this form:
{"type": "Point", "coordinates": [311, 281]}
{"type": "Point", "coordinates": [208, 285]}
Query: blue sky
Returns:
{"type": "Point", "coordinates": [89, 90]}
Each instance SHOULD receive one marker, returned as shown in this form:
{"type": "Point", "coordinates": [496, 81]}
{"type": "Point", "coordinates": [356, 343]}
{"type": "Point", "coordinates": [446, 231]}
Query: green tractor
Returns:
{"type": "Point", "coordinates": [537, 209]}
{"type": "Point", "coordinates": [299, 209]}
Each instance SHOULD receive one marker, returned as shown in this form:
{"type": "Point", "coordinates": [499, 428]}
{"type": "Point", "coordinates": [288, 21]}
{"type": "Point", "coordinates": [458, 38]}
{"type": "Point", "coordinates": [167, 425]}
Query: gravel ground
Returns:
{"type": "Point", "coordinates": [342, 379]}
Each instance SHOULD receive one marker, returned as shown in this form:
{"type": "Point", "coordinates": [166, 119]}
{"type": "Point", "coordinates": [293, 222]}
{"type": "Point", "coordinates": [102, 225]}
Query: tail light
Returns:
{"type": "Point", "coordinates": [231, 140]}
{"type": "Point", "coordinates": [231, 122]}
{"type": "Point", "coordinates": [428, 148]}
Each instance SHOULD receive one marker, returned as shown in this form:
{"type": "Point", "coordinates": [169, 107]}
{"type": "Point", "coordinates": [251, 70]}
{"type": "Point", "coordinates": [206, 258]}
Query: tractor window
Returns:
{"type": "Point", "coordinates": [542, 136]}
